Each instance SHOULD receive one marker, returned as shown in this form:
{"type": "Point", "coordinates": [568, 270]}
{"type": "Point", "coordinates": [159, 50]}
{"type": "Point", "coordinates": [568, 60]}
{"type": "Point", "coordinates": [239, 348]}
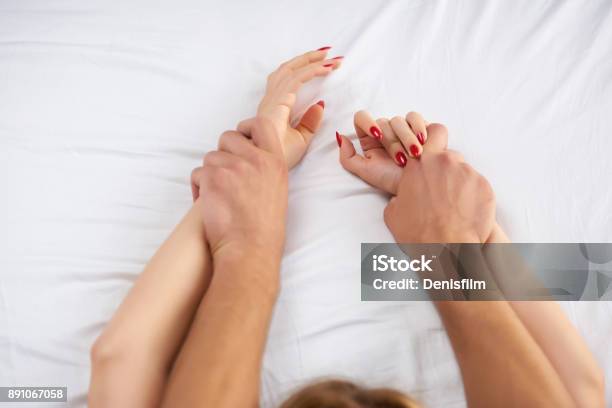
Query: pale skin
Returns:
{"type": "Point", "coordinates": [178, 339]}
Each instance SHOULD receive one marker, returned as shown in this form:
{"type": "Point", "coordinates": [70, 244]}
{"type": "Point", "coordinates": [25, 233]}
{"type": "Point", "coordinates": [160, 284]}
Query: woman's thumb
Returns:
{"type": "Point", "coordinates": [311, 120]}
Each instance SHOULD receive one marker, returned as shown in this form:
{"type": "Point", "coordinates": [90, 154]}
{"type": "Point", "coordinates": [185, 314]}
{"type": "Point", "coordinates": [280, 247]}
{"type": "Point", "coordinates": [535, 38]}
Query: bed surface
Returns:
{"type": "Point", "coordinates": [106, 106]}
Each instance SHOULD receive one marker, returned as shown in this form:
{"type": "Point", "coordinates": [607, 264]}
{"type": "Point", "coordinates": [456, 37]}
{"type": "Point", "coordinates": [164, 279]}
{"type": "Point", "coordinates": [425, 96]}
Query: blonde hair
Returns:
{"type": "Point", "coordinates": [344, 394]}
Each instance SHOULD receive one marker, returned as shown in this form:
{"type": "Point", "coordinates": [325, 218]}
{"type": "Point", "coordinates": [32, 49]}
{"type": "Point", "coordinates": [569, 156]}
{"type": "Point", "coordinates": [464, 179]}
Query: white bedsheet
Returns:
{"type": "Point", "coordinates": [106, 106]}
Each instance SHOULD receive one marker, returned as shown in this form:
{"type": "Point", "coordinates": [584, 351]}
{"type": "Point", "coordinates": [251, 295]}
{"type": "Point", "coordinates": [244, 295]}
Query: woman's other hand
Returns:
{"type": "Point", "coordinates": [387, 146]}
{"type": "Point", "coordinates": [394, 152]}
{"type": "Point", "coordinates": [281, 94]}
{"type": "Point", "coordinates": [243, 193]}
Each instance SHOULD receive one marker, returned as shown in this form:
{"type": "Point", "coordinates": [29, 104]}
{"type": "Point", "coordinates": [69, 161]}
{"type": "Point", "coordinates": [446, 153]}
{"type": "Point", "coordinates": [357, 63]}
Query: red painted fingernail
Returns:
{"type": "Point", "coordinates": [414, 150]}
{"type": "Point", "coordinates": [339, 139]}
{"type": "Point", "coordinates": [340, 57]}
{"type": "Point", "coordinates": [321, 103]}
{"type": "Point", "coordinates": [324, 48]}
{"type": "Point", "coordinates": [374, 131]}
{"type": "Point", "coordinates": [421, 138]}
{"type": "Point", "coordinates": [328, 65]}
{"type": "Point", "coordinates": [401, 159]}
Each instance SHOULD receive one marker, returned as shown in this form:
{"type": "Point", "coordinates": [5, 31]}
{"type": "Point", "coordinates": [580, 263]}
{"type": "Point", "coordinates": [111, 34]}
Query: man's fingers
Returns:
{"type": "Point", "coordinates": [214, 158]}
{"type": "Point", "coordinates": [235, 142]}
{"type": "Point", "coordinates": [437, 139]}
{"type": "Point", "coordinates": [454, 155]}
{"type": "Point", "coordinates": [263, 133]}
{"type": "Point", "coordinates": [196, 174]}
{"type": "Point", "coordinates": [218, 158]}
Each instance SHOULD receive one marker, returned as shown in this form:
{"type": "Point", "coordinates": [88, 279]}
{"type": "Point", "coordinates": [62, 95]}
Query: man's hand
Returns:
{"type": "Point", "coordinates": [243, 193]}
{"type": "Point", "coordinates": [441, 199]}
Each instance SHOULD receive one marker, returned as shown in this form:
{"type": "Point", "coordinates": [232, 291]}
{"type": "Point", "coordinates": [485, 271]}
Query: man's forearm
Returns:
{"type": "Point", "coordinates": [220, 362]}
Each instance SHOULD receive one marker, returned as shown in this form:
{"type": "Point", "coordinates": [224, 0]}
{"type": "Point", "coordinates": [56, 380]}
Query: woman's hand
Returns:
{"type": "Point", "coordinates": [281, 93]}
{"type": "Point", "coordinates": [243, 193]}
{"type": "Point", "coordinates": [393, 152]}
{"type": "Point", "coordinates": [388, 145]}
{"type": "Point", "coordinates": [279, 99]}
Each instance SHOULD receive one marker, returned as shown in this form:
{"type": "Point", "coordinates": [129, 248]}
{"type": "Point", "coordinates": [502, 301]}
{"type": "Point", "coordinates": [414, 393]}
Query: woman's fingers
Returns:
{"type": "Point", "coordinates": [336, 62]}
{"type": "Point", "coordinates": [418, 126]}
{"type": "Point", "coordinates": [305, 59]}
{"type": "Point", "coordinates": [401, 137]}
{"type": "Point", "coordinates": [365, 123]}
{"type": "Point", "coordinates": [302, 69]}
{"type": "Point", "coordinates": [397, 136]}
{"type": "Point", "coordinates": [406, 136]}
{"type": "Point", "coordinates": [365, 127]}
{"type": "Point", "coordinates": [437, 139]}
{"type": "Point", "coordinates": [379, 172]}
{"type": "Point", "coordinates": [310, 121]}
{"type": "Point", "coordinates": [349, 158]}
{"type": "Point", "coordinates": [302, 75]}
{"type": "Point", "coordinates": [310, 71]}
{"type": "Point", "coordinates": [391, 143]}
{"type": "Point", "coordinates": [285, 82]}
